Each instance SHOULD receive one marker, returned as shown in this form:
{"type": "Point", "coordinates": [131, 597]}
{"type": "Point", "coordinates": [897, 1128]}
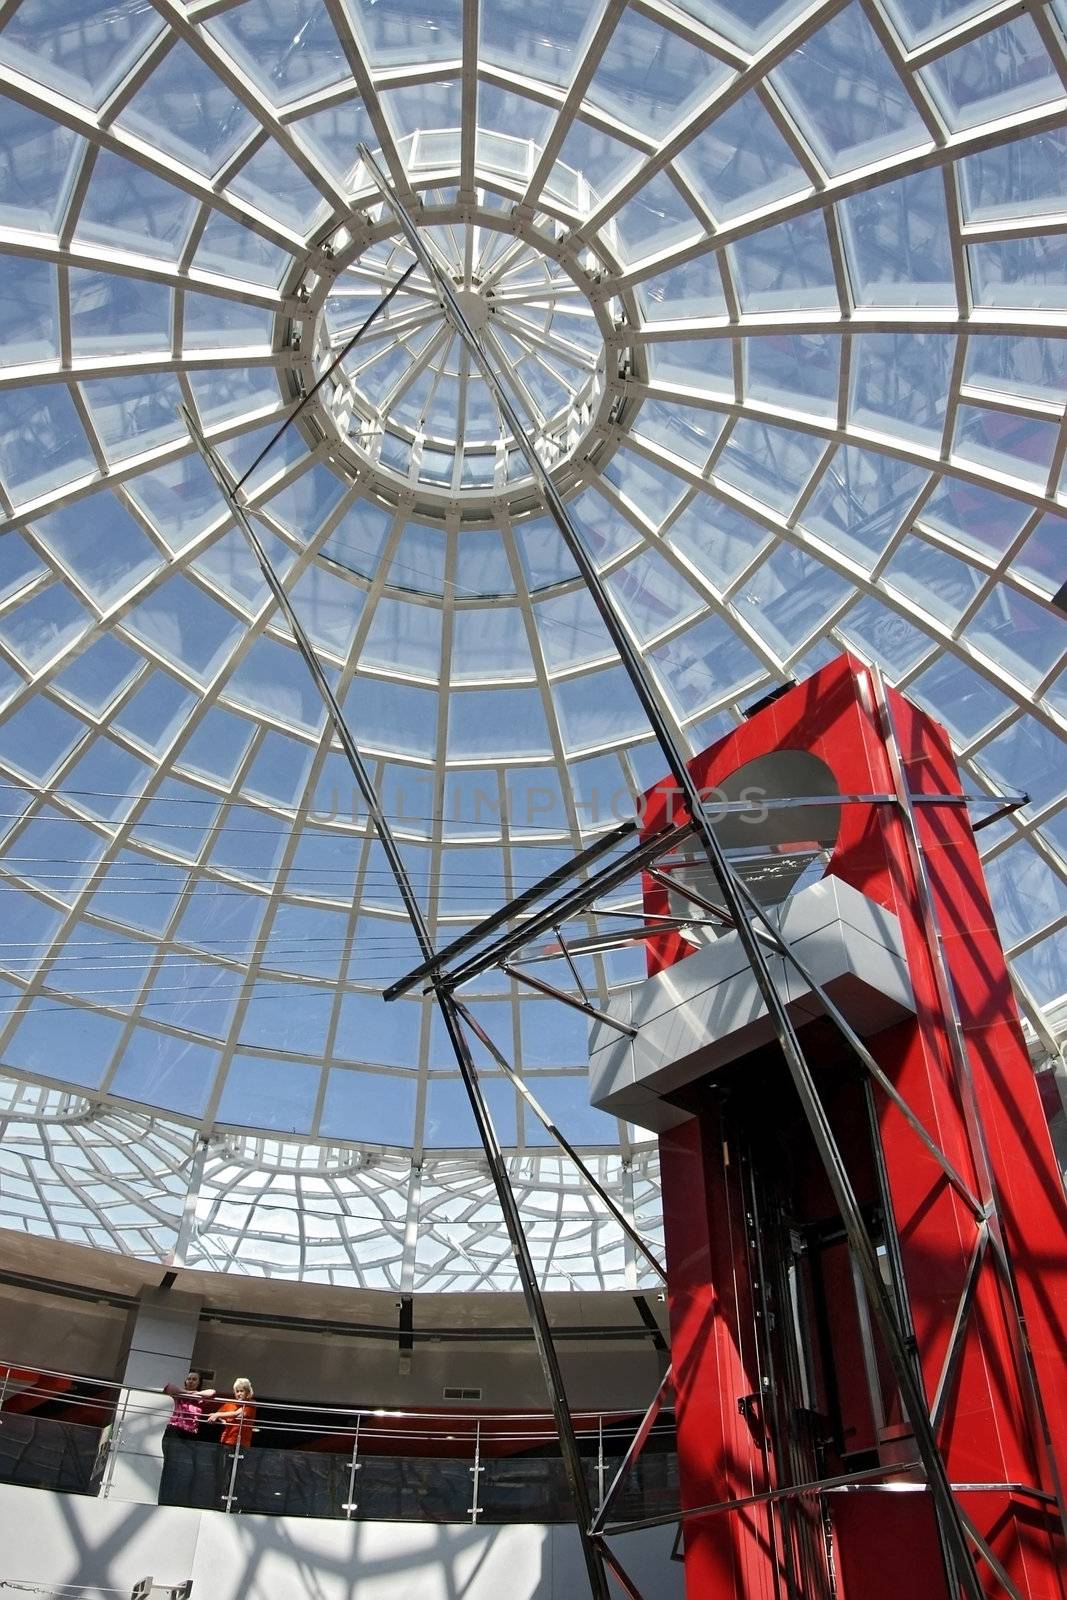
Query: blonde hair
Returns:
{"type": "Point", "coordinates": [244, 1383]}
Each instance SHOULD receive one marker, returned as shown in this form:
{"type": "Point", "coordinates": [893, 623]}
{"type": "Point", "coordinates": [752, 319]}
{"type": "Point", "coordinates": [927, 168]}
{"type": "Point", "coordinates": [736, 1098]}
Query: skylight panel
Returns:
{"type": "Point", "coordinates": [693, 289]}
{"type": "Point", "coordinates": [1026, 892]}
{"type": "Point", "coordinates": [589, 154]}
{"type": "Point", "coordinates": [786, 267]}
{"type": "Point", "coordinates": [861, 501]}
{"type": "Point", "coordinates": [699, 364]}
{"type": "Point", "coordinates": [1043, 968]}
{"type": "Point", "coordinates": [652, 490]}
{"type": "Point", "coordinates": [180, 499]}
{"type": "Point", "coordinates": [215, 322]}
{"type": "Point", "coordinates": [704, 666]}
{"type": "Point", "coordinates": [272, 182]}
{"type": "Point", "coordinates": [506, 112]}
{"type": "Point", "coordinates": [42, 442]}
{"type": "Point", "coordinates": [796, 371]}
{"type": "Point", "coordinates": [43, 626]}
{"type": "Point", "coordinates": [1025, 178]}
{"type": "Point", "coordinates": [187, 111]}
{"type": "Point", "coordinates": [655, 220]}
{"type": "Point", "coordinates": [99, 674]}
{"type": "Point", "coordinates": [396, 718]}
{"type": "Point", "coordinates": [998, 74]}
{"type": "Point", "coordinates": [489, 642]}
{"type": "Point", "coordinates": [113, 314]}
{"type": "Point", "coordinates": [897, 240]}
{"type": "Point", "coordinates": [408, 30]}
{"type": "Point", "coordinates": [287, 48]}
{"type": "Point", "coordinates": [139, 892]}
{"type": "Point", "coordinates": [1026, 273]}
{"type": "Point", "coordinates": [183, 625]}
{"type": "Point", "coordinates": [1027, 756]}
{"type": "Point", "coordinates": [40, 161]}
{"type": "Point", "coordinates": [134, 414]}
{"type": "Point", "coordinates": [749, 23]}
{"type": "Point", "coordinates": [769, 463]}
{"type": "Point", "coordinates": [1023, 637]}
{"type": "Point", "coordinates": [961, 698]}
{"type": "Point", "coordinates": [1016, 445]}
{"type": "Point", "coordinates": [719, 540]}
{"type": "Point", "coordinates": [68, 1042]}
{"type": "Point", "coordinates": [884, 635]}
{"type": "Point", "coordinates": [918, 21]}
{"type": "Point", "coordinates": [333, 136]}
{"type": "Point", "coordinates": [82, 48]}
{"type": "Point", "coordinates": [900, 384]}
{"type": "Point", "coordinates": [160, 1069]}
{"type": "Point", "coordinates": [38, 736]}
{"type": "Point", "coordinates": [126, 208]}
{"type": "Point", "coordinates": [101, 546]}
{"type": "Point", "coordinates": [932, 580]}
{"type": "Point", "coordinates": [377, 1107]}
{"type": "Point", "coordinates": [545, 558]}
{"type": "Point", "coordinates": [741, 163]}
{"type": "Point", "coordinates": [685, 431]}
{"type": "Point", "coordinates": [571, 630]}
{"type": "Point", "coordinates": [424, 107]}
{"type": "Point", "coordinates": [849, 101]}
{"type": "Point", "coordinates": [598, 708]}
{"type": "Point", "coordinates": [496, 723]}
{"type": "Point", "coordinates": [1041, 559]}
{"type": "Point", "coordinates": [789, 598]}
{"type": "Point", "coordinates": [975, 516]}
{"type": "Point", "coordinates": [653, 595]}
{"type": "Point", "coordinates": [261, 1092]}
{"type": "Point", "coordinates": [404, 638]}
{"type": "Point", "coordinates": [543, 39]}
{"type": "Point", "coordinates": [29, 311]}
{"type": "Point", "coordinates": [651, 78]}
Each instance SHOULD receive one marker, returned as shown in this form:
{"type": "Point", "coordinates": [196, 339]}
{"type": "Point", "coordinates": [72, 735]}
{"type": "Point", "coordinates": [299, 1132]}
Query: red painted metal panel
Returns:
{"type": "Point", "coordinates": [989, 1433]}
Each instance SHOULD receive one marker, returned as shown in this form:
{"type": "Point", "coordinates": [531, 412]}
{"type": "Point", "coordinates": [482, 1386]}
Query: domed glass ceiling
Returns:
{"type": "Point", "coordinates": [780, 289]}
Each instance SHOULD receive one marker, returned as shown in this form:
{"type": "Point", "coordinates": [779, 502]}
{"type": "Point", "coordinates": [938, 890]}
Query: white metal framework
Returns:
{"type": "Point", "coordinates": [781, 291]}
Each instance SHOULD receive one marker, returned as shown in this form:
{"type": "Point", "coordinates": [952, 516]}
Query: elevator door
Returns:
{"type": "Point", "coordinates": [787, 1411]}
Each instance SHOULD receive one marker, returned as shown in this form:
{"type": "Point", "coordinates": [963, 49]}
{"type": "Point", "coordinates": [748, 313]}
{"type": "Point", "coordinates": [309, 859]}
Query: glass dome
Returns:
{"type": "Point", "coordinates": [781, 291]}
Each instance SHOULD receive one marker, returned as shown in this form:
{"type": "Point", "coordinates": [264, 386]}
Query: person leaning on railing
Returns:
{"type": "Point", "coordinates": [236, 1415]}
{"type": "Point", "coordinates": [189, 1402]}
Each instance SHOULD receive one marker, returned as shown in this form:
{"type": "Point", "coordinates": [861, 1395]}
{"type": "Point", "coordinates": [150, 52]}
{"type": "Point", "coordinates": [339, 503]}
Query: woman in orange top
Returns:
{"type": "Point", "coordinates": [236, 1415]}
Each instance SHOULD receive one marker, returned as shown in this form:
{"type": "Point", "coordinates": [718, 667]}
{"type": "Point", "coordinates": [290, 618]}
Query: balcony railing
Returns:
{"type": "Point", "coordinates": [62, 1432]}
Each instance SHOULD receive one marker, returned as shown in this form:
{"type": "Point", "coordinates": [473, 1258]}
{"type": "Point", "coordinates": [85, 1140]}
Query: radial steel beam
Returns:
{"type": "Point", "coordinates": [345, 350]}
{"type": "Point", "coordinates": [566, 999]}
{"type": "Point", "coordinates": [514, 908]}
{"type": "Point", "coordinates": [795, 1491]}
{"type": "Point", "coordinates": [564, 1143]}
{"type": "Point", "coordinates": [633, 1449]}
{"type": "Point", "coordinates": [575, 900]}
{"type": "Point", "coordinates": [963, 1571]}
{"type": "Point", "coordinates": [535, 1305]}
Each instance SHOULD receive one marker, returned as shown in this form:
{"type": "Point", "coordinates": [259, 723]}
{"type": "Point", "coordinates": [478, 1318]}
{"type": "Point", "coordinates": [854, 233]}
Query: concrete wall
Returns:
{"type": "Point", "coordinates": [104, 1548]}
{"type": "Point", "coordinates": [38, 1329]}
{"type": "Point", "coordinates": [330, 1368]}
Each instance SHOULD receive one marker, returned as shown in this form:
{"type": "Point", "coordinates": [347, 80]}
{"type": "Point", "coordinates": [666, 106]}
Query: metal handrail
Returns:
{"type": "Point", "coordinates": [443, 1426]}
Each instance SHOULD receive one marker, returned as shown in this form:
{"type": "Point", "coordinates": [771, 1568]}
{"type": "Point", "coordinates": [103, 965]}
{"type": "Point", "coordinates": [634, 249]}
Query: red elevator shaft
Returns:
{"type": "Point", "coordinates": [781, 1378]}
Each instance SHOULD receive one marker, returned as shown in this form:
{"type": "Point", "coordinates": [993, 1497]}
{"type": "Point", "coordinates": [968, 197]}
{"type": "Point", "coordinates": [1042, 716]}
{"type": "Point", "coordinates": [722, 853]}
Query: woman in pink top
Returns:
{"type": "Point", "coordinates": [189, 1402]}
